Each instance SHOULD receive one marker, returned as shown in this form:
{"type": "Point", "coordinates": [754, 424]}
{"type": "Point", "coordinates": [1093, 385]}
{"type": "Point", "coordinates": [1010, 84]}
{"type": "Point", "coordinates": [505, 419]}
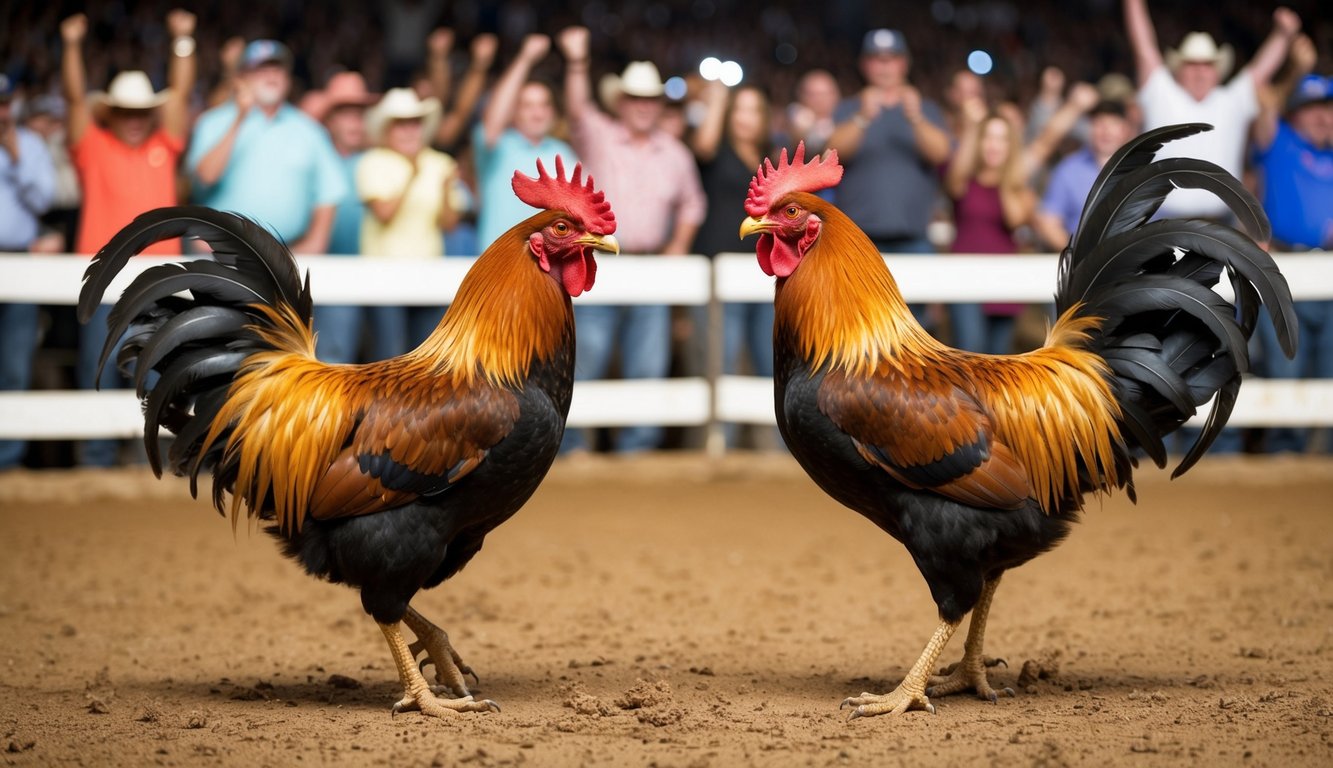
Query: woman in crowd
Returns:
{"type": "Point", "coordinates": [411, 196]}
{"type": "Point", "coordinates": [991, 199]}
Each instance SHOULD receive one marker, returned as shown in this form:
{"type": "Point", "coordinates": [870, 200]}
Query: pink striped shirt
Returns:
{"type": "Point", "coordinates": [652, 185]}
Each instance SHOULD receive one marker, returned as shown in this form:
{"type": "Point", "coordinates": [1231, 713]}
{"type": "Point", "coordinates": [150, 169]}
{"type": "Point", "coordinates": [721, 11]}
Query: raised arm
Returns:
{"type": "Point", "coordinates": [708, 136]}
{"type": "Point", "coordinates": [963, 166]}
{"type": "Point", "coordinates": [180, 74]}
{"type": "Point", "coordinates": [573, 43]}
{"type": "Point", "coordinates": [1268, 59]}
{"type": "Point", "coordinates": [469, 91]}
{"type": "Point", "coordinates": [74, 78]}
{"type": "Point", "coordinates": [504, 97]}
{"type": "Point", "coordinates": [1274, 97]}
{"type": "Point", "coordinates": [1082, 98]}
{"type": "Point", "coordinates": [438, 45]}
{"type": "Point", "coordinates": [848, 135]}
{"type": "Point", "coordinates": [215, 161]}
{"type": "Point", "coordinates": [1142, 39]}
{"type": "Point", "coordinates": [230, 61]}
{"type": "Point", "coordinates": [932, 143]}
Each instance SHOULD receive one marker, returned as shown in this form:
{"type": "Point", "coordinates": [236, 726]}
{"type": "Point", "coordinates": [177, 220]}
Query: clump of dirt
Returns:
{"type": "Point", "coordinates": [98, 693]}
{"type": "Point", "coordinates": [1044, 667]}
{"type": "Point", "coordinates": [578, 699]}
{"type": "Point", "coordinates": [646, 694]}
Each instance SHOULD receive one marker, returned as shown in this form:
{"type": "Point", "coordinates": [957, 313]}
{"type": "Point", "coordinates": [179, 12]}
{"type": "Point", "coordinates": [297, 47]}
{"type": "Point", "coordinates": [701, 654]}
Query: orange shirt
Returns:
{"type": "Point", "coordinates": [120, 182]}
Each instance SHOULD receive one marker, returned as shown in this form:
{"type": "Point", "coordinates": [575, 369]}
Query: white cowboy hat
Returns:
{"type": "Point", "coordinates": [1200, 47]}
{"type": "Point", "coordinates": [641, 79]}
{"type": "Point", "coordinates": [402, 104]}
{"type": "Point", "coordinates": [129, 90]}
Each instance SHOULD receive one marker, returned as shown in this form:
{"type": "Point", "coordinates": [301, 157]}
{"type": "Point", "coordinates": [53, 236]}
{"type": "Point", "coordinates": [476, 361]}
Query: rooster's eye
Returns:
{"type": "Point", "coordinates": [791, 211]}
{"type": "Point", "coordinates": [561, 228]}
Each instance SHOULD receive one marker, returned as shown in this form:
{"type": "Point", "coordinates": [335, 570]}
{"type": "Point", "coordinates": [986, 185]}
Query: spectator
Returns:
{"type": "Point", "coordinates": [887, 131]}
{"type": "Point", "coordinates": [1187, 87]}
{"type": "Point", "coordinates": [729, 145]}
{"type": "Point", "coordinates": [410, 195]}
{"type": "Point", "coordinates": [652, 179]}
{"type": "Point", "coordinates": [1067, 190]}
{"type": "Point", "coordinates": [261, 157]}
{"type": "Point", "coordinates": [1296, 156]}
{"type": "Point", "coordinates": [991, 199]}
{"type": "Point", "coordinates": [27, 186]}
{"type": "Point", "coordinates": [458, 106]}
{"type": "Point", "coordinates": [514, 133]}
{"type": "Point", "coordinates": [125, 145]}
{"type": "Point", "coordinates": [810, 117]}
{"type": "Point", "coordinates": [341, 107]}
{"type": "Point", "coordinates": [45, 116]}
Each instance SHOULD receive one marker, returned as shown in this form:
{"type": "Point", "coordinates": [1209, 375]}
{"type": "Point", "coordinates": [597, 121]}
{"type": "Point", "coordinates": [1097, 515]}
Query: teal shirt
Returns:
{"type": "Point", "coordinates": [280, 170]}
{"type": "Point", "coordinates": [345, 239]}
{"type": "Point", "coordinates": [500, 208]}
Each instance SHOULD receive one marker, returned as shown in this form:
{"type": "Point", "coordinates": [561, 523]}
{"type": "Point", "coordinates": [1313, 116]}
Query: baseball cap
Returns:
{"type": "Point", "coordinates": [1310, 90]}
{"type": "Point", "coordinates": [6, 87]}
{"type": "Point", "coordinates": [260, 52]}
{"type": "Point", "coordinates": [881, 41]}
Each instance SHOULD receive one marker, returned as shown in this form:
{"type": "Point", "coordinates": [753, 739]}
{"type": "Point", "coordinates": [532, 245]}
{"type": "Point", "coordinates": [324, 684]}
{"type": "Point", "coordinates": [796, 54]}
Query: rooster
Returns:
{"type": "Point", "coordinates": [979, 463]}
{"type": "Point", "coordinates": [385, 476]}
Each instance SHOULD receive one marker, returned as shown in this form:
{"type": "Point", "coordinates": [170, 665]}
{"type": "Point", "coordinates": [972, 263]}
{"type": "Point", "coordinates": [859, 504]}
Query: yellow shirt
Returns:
{"type": "Point", "coordinates": [414, 233]}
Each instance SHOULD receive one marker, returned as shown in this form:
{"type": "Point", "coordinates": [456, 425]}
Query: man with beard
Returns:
{"type": "Point", "coordinates": [262, 157]}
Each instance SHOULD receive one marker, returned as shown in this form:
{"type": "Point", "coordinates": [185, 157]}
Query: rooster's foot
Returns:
{"type": "Point", "coordinates": [427, 703]}
{"type": "Point", "coordinates": [899, 701]}
{"type": "Point", "coordinates": [968, 675]}
{"type": "Point", "coordinates": [450, 669]}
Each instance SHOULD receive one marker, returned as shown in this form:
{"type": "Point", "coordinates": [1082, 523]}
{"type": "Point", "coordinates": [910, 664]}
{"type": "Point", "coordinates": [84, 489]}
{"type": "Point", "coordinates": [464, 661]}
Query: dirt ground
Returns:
{"type": "Point", "coordinates": [673, 611]}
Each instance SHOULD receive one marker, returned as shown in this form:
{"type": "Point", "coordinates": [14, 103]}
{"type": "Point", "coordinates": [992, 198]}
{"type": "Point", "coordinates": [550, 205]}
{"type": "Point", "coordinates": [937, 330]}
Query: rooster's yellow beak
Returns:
{"type": "Point", "coordinates": [754, 224]}
{"type": "Point", "coordinates": [606, 243]}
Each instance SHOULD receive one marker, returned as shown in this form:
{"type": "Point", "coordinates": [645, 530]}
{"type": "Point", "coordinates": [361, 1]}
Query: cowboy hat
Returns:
{"type": "Point", "coordinates": [640, 80]}
{"type": "Point", "coordinates": [345, 89]}
{"type": "Point", "coordinates": [1199, 47]}
{"type": "Point", "coordinates": [402, 104]}
{"type": "Point", "coordinates": [128, 90]}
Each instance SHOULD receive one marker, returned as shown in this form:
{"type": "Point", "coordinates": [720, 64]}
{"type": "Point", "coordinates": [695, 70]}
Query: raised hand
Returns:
{"type": "Point", "coordinates": [484, 47]}
{"type": "Point", "coordinates": [534, 48]}
{"type": "Point", "coordinates": [1084, 96]}
{"type": "Point", "coordinates": [440, 42]}
{"type": "Point", "coordinates": [573, 43]}
{"type": "Point", "coordinates": [180, 23]}
{"type": "Point", "coordinates": [74, 29]}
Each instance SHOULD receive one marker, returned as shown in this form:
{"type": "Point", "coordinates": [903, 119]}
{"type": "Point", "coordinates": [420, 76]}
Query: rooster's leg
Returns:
{"type": "Point", "coordinates": [911, 692]}
{"type": "Point", "coordinates": [970, 673]}
{"type": "Point", "coordinates": [450, 668]}
{"type": "Point", "coordinates": [416, 691]}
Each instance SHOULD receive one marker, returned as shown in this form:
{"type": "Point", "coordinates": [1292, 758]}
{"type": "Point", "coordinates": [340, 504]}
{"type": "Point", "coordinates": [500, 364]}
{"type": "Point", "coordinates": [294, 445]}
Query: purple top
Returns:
{"type": "Point", "coordinates": [979, 219]}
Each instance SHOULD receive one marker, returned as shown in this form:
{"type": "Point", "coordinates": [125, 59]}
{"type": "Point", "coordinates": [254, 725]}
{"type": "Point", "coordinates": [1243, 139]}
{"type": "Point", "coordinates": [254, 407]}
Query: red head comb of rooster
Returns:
{"type": "Point", "coordinates": [771, 184]}
{"type": "Point", "coordinates": [580, 200]}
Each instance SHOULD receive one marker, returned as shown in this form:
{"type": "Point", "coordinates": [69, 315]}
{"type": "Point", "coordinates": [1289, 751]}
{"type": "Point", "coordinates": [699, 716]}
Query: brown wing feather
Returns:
{"type": "Point", "coordinates": [921, 425]}
{"type": "Point", "coordinates": [427, 437]}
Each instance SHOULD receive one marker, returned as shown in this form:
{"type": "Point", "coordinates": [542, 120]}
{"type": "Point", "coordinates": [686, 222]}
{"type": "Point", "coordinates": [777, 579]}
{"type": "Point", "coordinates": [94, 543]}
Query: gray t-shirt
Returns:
{"type": "Point", "coordinates": [887, 188]}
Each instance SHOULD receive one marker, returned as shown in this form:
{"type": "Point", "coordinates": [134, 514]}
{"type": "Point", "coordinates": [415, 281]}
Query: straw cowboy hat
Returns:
{"type": "Point", "coordinates": [1200, 47]}
{"type": "Point", "coordinates": [640, 79]}
{"type": "Point", "coordinates": [402, 104]}
{"type": "Point", "coordinates": [129, 90]}
{"type": "Point", "coordinates": [345, 89]}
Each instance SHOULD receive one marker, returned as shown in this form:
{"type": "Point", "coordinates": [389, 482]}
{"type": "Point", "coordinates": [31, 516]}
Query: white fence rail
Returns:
{"type": "Point", "coordinates": [688, 280]}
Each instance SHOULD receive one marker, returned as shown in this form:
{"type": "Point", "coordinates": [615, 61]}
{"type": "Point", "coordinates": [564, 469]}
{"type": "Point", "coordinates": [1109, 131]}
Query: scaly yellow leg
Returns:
{"type": "Point", "coordinates": [970, 673]}
{"type": "Point", "coordinates": [911, 692]}
{"type": "Point", "coordinates": [416, 691]}
{"type": "Point", "coordinates": [449, 666]}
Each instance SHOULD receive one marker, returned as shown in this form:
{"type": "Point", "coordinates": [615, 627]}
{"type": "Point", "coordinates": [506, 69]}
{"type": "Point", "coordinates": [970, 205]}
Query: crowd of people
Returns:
{"type": "Point", "coordinates": [291, 132]}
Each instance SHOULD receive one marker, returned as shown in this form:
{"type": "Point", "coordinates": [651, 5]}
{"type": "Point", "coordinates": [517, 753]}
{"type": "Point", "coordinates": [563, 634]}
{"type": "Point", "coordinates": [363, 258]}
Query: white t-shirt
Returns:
{"type": "Point", "coordinates": [1229, 108]}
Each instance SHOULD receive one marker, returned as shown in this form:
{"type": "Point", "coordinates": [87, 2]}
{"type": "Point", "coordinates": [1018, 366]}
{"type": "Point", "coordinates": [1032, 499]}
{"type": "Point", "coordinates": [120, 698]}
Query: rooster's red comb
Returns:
{"type": "Point", "coordinates": [771, 184]}
{"type": "Point", "coordinates": [571, 195]}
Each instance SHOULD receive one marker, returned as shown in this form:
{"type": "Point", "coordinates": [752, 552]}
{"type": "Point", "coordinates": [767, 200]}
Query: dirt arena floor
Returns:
{"type": "Point", "coordinates": [673, 611]}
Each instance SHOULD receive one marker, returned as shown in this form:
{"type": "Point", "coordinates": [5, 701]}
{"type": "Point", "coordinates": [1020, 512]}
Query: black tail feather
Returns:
{"type": "Point", "coordinates": [199, 341]}
{"type": "Point", "coordinates": [1172, 343]}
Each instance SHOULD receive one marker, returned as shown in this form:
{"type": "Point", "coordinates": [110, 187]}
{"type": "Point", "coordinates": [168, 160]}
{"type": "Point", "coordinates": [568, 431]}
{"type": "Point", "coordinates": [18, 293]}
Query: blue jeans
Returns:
{"type": "Point", "coordinates": [18, 342]}
{"type": "Point", "coordinates": [1314, 359]}
{"type": "Point", "coordinates": [92, 336]}
{"type": "Point", "coordinates": [398, 330]}
{"type": "Point", "coordinates": [976, 331]}
{"type": "Point", "coordinates": [338, 333]}
{"type": "Point", "coordinates": [643, 333]}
